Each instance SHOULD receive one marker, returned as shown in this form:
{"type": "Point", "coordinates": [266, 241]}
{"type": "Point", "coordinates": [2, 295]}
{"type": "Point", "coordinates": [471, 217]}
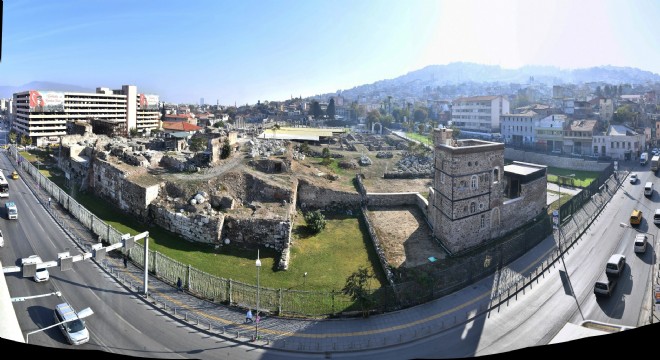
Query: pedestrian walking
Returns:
{"type": "Point", "coordinates": [48, 202]}
{"type": "Point", "coordinates": [125, 262]}
{"type": "Point", "coordinates": [248, 316]}
{"type": "Point", "coordinates": [178, 284]}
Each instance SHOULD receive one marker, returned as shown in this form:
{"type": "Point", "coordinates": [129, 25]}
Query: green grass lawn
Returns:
{"type": "Point", "coordinates": [555, 204]}
{"type": "Point", "coordinates": [328, 257]}
{"type": "Point", "coordinates": [424, 139]}
{"type": "Point", "coordinates": [580, 178]}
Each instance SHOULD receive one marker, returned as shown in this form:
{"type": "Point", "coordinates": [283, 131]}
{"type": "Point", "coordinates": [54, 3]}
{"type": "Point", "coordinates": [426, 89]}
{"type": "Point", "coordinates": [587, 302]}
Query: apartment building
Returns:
{"type": "Point", "coordinates": [479, 113]}
{"type": "Point", "coordinates": [549, 133]}
{"type": "Point", "coordinates": [578, 137]}
{"type": "Point", "coordinates": [44, 115]}
{"type": "Point", "coordinates": [620, 142]}
{"type": "Point", "coordinates": [519, 129]}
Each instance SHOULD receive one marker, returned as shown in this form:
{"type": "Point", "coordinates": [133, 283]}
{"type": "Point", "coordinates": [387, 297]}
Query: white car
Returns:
{"type": "Point", "coordinates": [640, 243]}
{"type": "Point", "coordinates": [633, 178]}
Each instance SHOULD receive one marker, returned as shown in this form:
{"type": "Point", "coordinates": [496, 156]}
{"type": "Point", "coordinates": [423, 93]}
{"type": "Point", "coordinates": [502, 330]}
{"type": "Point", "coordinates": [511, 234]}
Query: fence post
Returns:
{"type": "Point", "coordinates": [188, 276]}
{"type": "Point", "coordinates": [279, 301]}
{"type": "Point", "coordinates": [229, 286]}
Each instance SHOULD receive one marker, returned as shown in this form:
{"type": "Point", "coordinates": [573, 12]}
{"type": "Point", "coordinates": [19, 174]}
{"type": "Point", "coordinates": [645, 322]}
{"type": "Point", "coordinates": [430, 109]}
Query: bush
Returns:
{"type": "Point", "coordinates": [315, 221]}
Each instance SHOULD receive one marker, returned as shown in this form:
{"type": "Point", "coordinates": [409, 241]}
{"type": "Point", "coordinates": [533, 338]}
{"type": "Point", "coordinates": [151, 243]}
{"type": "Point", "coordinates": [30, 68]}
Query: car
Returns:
{"type": "Point", "coordinates": [2, 239]}
{"type": "Point", "coordinates": [605, 285]}
{"type": "Point", "coordinates": [615, 264]}
{"type": "Point", "coordinates": [636, 217]}
{"type": "Point", "coordinates": [72, 326]}
{"type": "Point", "coordinates": [41, 274]}
{"type": "Point", "coordinates": [640, 243]}
{"type": "Point", "coordinates": [633, 178]}
{"type": "Point", "coordinates": [14, 174]}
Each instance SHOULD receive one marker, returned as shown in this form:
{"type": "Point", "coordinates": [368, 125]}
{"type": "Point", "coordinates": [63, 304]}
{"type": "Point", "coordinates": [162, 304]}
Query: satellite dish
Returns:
{"type": "Point", "coordinates": [227, 241]}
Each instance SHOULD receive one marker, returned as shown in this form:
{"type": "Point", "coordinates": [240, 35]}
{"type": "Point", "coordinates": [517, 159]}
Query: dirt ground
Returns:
{"type": "Point", "coordinates": [405, 236]}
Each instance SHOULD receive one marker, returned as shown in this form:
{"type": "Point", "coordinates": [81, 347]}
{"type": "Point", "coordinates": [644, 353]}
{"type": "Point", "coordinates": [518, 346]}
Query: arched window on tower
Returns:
{"type": "Point", "coordinates": [474, 184]}
{"type": "Point", "coordinates": [496, 175]}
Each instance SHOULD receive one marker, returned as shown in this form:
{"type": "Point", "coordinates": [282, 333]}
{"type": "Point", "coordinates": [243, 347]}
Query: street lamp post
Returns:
{"type": "Point", "coordinates": [561, 253]}
{"type": "Point", "coordinates": [305, 281]}
{"type": "Point", "coordinates": [256, 328]}
{"type": "Point", "coordinates": [81, 315]}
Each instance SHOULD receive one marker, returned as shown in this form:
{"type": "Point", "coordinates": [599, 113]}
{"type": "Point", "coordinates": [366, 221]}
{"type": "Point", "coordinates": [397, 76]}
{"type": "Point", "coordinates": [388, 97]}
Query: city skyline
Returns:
{"type": "Point", "coordinates": [244, 52]}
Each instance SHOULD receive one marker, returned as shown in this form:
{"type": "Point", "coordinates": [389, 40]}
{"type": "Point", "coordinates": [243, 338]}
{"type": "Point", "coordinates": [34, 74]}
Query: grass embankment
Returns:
{"type": "Point", "coordinates": [424, 139]}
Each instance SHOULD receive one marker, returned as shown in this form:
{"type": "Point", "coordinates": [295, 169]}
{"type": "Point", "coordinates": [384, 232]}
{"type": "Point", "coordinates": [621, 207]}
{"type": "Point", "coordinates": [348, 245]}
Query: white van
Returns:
{"type": "Point", "coordinates": [648, 189]}
{"type": "Point", "coordinates": [615, 264]}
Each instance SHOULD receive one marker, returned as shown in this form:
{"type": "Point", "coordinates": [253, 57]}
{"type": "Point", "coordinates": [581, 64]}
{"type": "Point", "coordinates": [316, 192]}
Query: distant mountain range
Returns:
{"type": "Point", "coordinates": [462, 72]}
{"type": "Point", "coordinates": [7, 92]}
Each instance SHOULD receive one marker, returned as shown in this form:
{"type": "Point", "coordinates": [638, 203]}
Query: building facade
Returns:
{"type": "Point", "coordinates": [619, 142]}
{"type": "Point", "coordinates": [479, 113]}
{"type": "Point", "coordinates": [550, 133]}
{"type": "Point", "coordinates": [474, 197]}
{"type": "Point", "coordinates": [44, 115]}
{"type": "Point", "coordinates": [519, 129]}
{"type": "Point", "coordinates": [578, 137]}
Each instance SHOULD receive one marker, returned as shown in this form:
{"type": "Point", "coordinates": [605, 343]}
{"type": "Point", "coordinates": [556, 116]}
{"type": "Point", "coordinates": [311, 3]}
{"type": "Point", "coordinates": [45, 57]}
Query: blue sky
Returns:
{"type": "Point", "coordinates": [244, 51]}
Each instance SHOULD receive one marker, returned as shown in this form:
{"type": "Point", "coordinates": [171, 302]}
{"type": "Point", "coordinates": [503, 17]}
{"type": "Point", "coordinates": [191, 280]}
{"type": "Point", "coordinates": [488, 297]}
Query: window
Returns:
{"type": "Point", "coordinates": [475, 182]}
{"type": "Point", "coordinates": [473, 207]}
{"type": "Point", "coordinates": [483, 221]}
{"type": "Point", "coordinates": [442, 178]}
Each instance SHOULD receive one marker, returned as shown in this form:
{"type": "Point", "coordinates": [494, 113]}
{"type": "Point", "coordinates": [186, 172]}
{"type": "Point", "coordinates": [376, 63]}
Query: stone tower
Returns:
{"type": "Point", "coordinates": [467, 192]}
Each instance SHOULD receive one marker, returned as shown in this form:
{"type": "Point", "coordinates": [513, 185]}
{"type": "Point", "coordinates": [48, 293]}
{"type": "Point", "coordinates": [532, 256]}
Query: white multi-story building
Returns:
{"type": "Point", "coordinates": [44, 114]}
{"type": "Point", "coordinates": [620, 142]}
{"type": "Point", "coordinates": [549, 133]}
{"type": "Point", "coordinates": [479, 113]}
{"type": "Point", "coordinates": [519, 129]}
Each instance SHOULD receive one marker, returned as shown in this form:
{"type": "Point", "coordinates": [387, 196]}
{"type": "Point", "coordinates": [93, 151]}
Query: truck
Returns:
{"type": "Point", "coordinates": [644, 158]}
{"type": "Point", "coordinates": [654, 162]}
{"type": "Point", "coordinates": [12, 211]}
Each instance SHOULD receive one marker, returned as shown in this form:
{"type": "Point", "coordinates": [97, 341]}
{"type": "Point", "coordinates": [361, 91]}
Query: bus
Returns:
{"type": "Point", "coordinates": [4, 186]}
{"type": "Point", "coordinates": [655, 160]}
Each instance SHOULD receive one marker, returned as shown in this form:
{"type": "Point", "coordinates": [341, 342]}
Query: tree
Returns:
{"type": "Point", "coordinates": [372, 117]}
{"type": "Point", "coordinates": [316, 110]}
{"type": "Point", "coordinates": [330, 111]}
{"type": "Point", "coordinates": [315, 221]}
{"type": "Point", "coordinates": [325, 154]}
{"type": "Point", "coordinates": [304, 148]}
{"type": "Point", "coordinates": [357, 287]}
{"type": "Point", "coordinates": [420, 115]}
{"type": "Point", "coordinates": [26, 140]}
{"type": "Point", "coordinates": [133, 132]}
{"type": "Point", "coordinates": [420, 128]}
{"type": "Point", "coordinates": [455, 131]}
{"type": "Point", "coordinates": [12, 136]}
{"type": "Point", "coordinates": [198, 143]}
{"type": "Point", "coordinates": [226, 149]}
{"type": "Point", "coordinates": [219, 124]}
{"type": "Point", "coordinates": [275, 128]}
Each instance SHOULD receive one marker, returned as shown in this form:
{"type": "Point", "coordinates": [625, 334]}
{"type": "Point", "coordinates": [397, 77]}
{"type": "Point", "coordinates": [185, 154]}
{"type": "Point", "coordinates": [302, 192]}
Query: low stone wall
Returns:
{"type": "Point", "coordinates": [253, 232]}
{"type": "Point", "coordinates": [407, 175]}
{"type": "Point", "coordinates": [311, 197]}
{"type": "Point", "coordinates": [554, 160]}
{"type": "Point", "coordinates": [114, 184]}
{"type": "Point", "coordinates": [379, 249]}
{"type": "Point", "coordinates": [392, 199]}
{"type": "Point", "coordinates": [200, 228]}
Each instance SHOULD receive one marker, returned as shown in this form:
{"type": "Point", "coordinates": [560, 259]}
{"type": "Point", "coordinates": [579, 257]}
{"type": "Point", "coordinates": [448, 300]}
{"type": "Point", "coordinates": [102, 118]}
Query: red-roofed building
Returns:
{"type": "Point", "coordinates": [176, 126]}
{"type": "Point", "coordinates": [189, 118]}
